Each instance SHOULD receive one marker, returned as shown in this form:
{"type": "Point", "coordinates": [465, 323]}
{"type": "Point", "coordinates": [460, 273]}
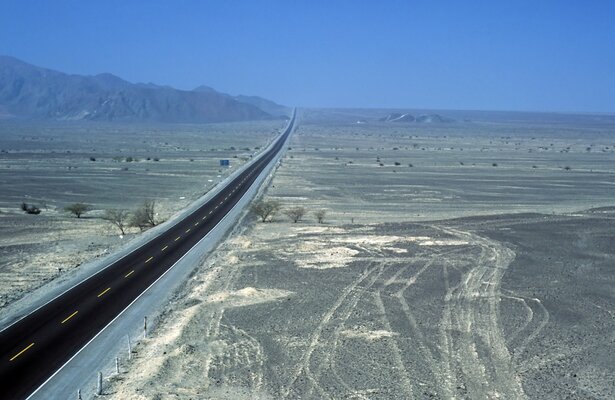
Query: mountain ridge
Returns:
{"type": "Point", "coordinates": [266, 105]}
{"type": "Point", "coordinates": [32, 92]}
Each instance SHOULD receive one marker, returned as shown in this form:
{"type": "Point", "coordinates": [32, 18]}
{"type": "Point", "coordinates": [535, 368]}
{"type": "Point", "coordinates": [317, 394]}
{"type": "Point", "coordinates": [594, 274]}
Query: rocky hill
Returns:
{"type": "Point", "coordinates": [398, 117]}
{"type": "Point", "coordinates": [31, 92]}
{"type": "Point", "coordinates": [422, 119]}
{"type": "Point", "coordinates": [268, 106]}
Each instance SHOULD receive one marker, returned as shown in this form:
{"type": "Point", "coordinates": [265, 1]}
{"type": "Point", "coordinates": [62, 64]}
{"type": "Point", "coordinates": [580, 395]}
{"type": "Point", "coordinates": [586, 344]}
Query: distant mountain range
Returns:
{"type": "Point", "coordinates": [407, 117]}
{"type": "Point", "coordinates": [31, 92]}
{"type": "Point", "coordinates": [263, 104]}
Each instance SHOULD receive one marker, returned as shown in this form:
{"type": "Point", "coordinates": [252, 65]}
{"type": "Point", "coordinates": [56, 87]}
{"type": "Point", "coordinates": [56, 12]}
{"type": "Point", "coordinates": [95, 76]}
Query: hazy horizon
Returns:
{"type": "Point", "coordinates": [549, 57]}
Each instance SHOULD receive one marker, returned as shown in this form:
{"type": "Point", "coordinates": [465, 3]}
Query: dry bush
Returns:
{"type": "Point", "coordinates": [295, 214]}
{"type": "Point", "coordinates": [78, 209]}
{"type": "Point", "coordinates": [320, 215]}
{"type": "Point", "coordinates": [145, 216]}
{"type": "Point", "coordinates": [30, 209]}
{"type": "Point", "coordinates": [119, 218]}
{"type": "Point", "coordinates": [266, 209]}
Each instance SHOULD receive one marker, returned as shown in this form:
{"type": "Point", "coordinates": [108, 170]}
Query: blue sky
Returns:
{"type": "Point", "coordinates": [539, 55]}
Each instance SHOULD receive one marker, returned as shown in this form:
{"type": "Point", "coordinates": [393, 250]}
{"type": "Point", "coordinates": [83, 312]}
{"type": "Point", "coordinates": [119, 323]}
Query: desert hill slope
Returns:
{"type": "Point", "coordinates": [31, 92]}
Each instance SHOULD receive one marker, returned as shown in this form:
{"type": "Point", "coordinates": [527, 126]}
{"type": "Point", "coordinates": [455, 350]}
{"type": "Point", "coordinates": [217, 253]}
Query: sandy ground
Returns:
{"type": "Point", "coordinates": [51, 166]}
{"type": "Point", "coordinates": [450, 278]}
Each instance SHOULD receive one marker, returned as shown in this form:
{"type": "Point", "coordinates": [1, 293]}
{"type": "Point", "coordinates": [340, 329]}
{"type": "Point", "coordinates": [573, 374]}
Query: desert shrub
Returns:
{"type": "Point", "coordinates": [33, 210]}
{"type": "Point", "coordinates": [78, 209]}
{"type": "Point", "coordinates": [295, 214]}
{"type": "Point", "coordinates": [30, 208]}
{"type": "Point", "coordinates": [266, 209]}
{"type": "Point", "coordinates": [118, 217]}
{"type": "Point", "coordinates": [145, 216]}
{"type": "Point", "coordinates": [397, 163]}
{"type": "Point", "coordinates": [320, 215]}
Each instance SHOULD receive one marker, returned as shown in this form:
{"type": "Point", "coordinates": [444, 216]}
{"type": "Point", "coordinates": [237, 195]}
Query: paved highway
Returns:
{"type": "Point", "coordinates": [34, 348]}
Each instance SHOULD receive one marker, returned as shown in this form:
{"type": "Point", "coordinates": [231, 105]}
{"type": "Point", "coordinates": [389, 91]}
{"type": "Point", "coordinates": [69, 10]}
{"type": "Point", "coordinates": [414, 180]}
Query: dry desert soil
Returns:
{"type": "Point", "coordinates": [472, 259]}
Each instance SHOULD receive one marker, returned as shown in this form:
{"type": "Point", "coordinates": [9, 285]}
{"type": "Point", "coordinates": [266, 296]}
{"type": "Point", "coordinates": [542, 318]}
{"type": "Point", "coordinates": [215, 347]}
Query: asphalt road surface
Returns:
{"type": "Point", "coordinates": [35, 347]}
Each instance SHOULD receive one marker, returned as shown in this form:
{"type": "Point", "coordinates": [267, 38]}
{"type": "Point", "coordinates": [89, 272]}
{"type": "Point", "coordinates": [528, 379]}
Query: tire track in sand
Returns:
{"type": "Point", "coordinates": [477, 350]}
{"type": "Point", "coordinates": [303, 367]}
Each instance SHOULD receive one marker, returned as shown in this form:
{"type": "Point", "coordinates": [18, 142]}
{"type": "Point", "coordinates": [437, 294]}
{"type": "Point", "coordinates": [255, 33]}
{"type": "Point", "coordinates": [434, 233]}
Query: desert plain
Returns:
{"type": "Point", "coordinates": [470, 259]}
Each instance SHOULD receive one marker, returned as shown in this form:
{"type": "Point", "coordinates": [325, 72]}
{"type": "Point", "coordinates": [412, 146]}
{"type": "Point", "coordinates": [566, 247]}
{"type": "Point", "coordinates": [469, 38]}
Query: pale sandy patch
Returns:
{"type": "Point", "coordinates": [395, 250]}
{"type": "Point", "coordinates": [154, 361]}
{"type": "Point", "coordinates": [319, 256]}
{"type": "Point", "coordinates": [369, 239]}
{"type": "Point", "coordinates": [318, 229]}
{"type": "Point", "coordinates": [241, 242]}
{"type": "Point", "coordinates": [247, 296]}
{"type": "Point", "coordinates": [446, 242]}
{"type": "Point", "coordinates": [368, 334]}
{"type": "Point", "coordinates": [417, 238]}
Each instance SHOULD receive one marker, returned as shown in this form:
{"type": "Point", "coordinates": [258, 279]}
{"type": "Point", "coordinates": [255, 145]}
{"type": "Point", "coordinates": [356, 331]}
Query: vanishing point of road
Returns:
{"type": "Point", "coordinates": [35, 347]}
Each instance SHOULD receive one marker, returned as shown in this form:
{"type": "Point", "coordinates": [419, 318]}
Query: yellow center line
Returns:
{"type": "Point", "coordinates": [149, 259]}
{"type": "Point", "coordinates": [187, 230]}
{"type": "Point", "coordinates": [103, 292]}
{"type": "Point", "coordinates": [21, 352]}
{"type": "Point", "coordinates": [177, 238]}
{"type": "Point", "coordinates": [130, 273]}
{"type": "Point", "coordinates": [69, 317]}
{"type": "Point", "coordinates": [164, 248]}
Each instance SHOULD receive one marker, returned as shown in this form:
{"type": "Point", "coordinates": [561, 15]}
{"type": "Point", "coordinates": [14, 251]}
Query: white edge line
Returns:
{"type": "Point", "coordinates": [137, 298]}
{"type": "Point", "coordinates": [238, 172]}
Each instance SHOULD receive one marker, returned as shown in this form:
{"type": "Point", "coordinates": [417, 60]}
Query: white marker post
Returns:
{"type": "Point", "coordinates": [99, 387]}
